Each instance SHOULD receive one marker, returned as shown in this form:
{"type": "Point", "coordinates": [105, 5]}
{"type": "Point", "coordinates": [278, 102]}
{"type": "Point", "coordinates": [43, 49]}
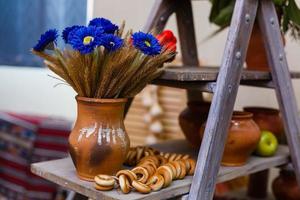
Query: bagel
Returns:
{"type": "Point", "coordinates": [156, 182]}
{"type": "Point", "coordinates": [124, 184]}
{"type": "Point", "coordinates": [183, 169]}
{"type": "Point", "coordinates": [172, 157]}
{"type": "Point", "coordinates": [178, 157]}
{"type": "Point", "coordinates": [151, 158]}
{"type": "Point", "coordinates": [149, 168]}
{"type": "Point", "coordinates": [166, 172]}
{"type": "Point", "coordinates": [104, 180]}
{"type": "Point", "coordinates": [177, 167]}
{"type": "Point", "coordinates": [141, 171]}
{"type": "Point", "coordinates": [162, 160]}
{"type": "Point", "coordinates": [139, 153]}
{"type": "Point", "coordinates": [103, 188]}
{"type": "Point", "coordinates": [187, 165]}
{"type": "Point", "coordinates": [129, 174]}
{"type": "Point", "coordinates": [186, 156]}
{"type": "Point", "coordinates": [141, 187]}
{"type": "Point", "coordinates": [193, 166]}
{"type": "Point", "coordinates": [173, 169]}
{"type": "Point", "coordinates": [166, 155]}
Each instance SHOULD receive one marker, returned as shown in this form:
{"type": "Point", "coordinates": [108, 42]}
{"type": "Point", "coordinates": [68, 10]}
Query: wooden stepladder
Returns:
{"type": "Point", "coordinates": [225, 92]}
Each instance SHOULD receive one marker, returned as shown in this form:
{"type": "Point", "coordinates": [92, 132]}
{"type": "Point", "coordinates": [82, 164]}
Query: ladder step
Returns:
{"type": "Point", "coordinates": [203, 78]}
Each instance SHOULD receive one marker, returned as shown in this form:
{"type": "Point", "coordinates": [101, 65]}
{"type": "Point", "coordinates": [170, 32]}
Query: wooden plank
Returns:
{"type": "Point", "coordinates": [269, 24]}
{"type": "Point", "coordinates": [210, 73]}
{"type": "Point", "coordinates": [62, 172]}
{"type": "Point", "coordinates": [159, 15]}
{"type": "Point", "coordinates": [228, 80]}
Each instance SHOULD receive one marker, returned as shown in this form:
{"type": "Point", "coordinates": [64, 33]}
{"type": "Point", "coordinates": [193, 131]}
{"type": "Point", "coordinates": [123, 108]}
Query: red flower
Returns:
{"type": "Point", "coordinates": [167, 40]}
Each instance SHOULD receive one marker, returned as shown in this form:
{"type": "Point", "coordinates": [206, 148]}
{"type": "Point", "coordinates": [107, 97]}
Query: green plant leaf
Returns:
{"type": "Point", "coordinates": [293, 12]}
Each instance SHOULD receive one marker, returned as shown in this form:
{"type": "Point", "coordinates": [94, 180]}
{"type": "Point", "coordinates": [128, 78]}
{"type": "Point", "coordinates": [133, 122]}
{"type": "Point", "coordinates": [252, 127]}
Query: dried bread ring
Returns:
{"type": "Point", "coordinates": [129, 174]}
{"type": "Point", "coordinates": [124, 184]}
{"type": "Point", "coordinates": [144, 174]}
{"type": "Point", "coordinates": [153, 159]}
{"type": "Point", "coordinates": [183, 169]}
{"type": "Point", "coordinates": [139, 153]}
{"type": "Point", "coordinates": [103, 188]}
{"type": "Point", "coordinates": [149, 168]}
{"type": "Point", "coordinates": [141, 187]}
{"type": "Point", "coordinates": [178, 157]}
{"type": "Point", "coordinates": [104, 180]}
{"type": "Point", "coordinates": [177, 167]}
{"type": "Point", "coordinates": [173, 169]}
{"type": "Point", "coordinates": [166, 172]}
{"type": "Point", "coordinates": [162, 160]}
{"type": "Point", "coordinates": [172, 157]}
{"type": "Point", "coordinates": [187, 165]}
{"type": "Point", "coordinates": [193, 166]}
{"type": "Point", "coordinates": [156, 182]}
{"type": "Point", "coordinates": [186, 156]}
{"type": "Point", "coordinates": [166, 155]}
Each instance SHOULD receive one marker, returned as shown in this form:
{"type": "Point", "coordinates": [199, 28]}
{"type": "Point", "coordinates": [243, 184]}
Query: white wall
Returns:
{"type": "Point", "coordinates": [31, 90]}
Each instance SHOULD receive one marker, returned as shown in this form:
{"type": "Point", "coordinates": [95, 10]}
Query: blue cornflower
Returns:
{"type": "Point", "coordinates": [111, 42]}
{"type": "Point", "coordinates": [105, 24]}
{"type": "Point", "coordinates": [147, 43]}
{"type": "Point", "coordinates": [85, 39]}
{"type": "Point", "coordinates": [48, 38]}
{"type": "Point", "coordinates": [66, 31]}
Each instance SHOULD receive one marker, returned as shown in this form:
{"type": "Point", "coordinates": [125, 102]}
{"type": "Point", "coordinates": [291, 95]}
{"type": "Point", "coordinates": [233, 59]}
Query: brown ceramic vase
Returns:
{"type": "Point", "coordinates": [243, 137]}
{"type": "Point", "coordinates": [267, 119]}
{"type": "Point", "coordinates": [285, 186]}
{"type": "Point", "coordinates": [191, 120]}
{"type": "Point", "coordinates": [98, 143]}
{"type": "Point", "coordinates": [256, 58]}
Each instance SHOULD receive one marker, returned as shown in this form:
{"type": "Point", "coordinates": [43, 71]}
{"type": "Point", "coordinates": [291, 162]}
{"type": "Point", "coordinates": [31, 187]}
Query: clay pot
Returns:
{"type": "Point", "coordinates": [98, 143]}
{"type": "Point", "coordinates": [191, 120]}
{"type": "Point", "coordinates": [243, 137]}
{"type": "Point", "coordinates": [267, 119]}
{"type": "Point", "coordinates": [256, 58]}
{"type": "Point", "coordinates": [285, 186]}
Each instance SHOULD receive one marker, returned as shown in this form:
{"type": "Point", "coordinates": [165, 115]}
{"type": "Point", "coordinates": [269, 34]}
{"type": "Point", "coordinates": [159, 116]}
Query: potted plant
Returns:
{"type": "Point", "coordinates": [289, 18]}
{"type": "Point", "coordinates": [105, 66]}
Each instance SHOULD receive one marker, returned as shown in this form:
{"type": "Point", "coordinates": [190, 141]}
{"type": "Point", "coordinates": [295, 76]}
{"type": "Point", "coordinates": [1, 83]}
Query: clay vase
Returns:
{"type": "Point", "coordinates": [243, 137]}
{"type": "Point", "coordinates": [191, 120]}
{"type": "Point", "coordinates": [98, 143]}
{"type": "Point", "coordinates": [285, 186]}
{"type": "Point", "coordinates": [256, 58]}
{"type": "Point", "coordinates": [268, 119]}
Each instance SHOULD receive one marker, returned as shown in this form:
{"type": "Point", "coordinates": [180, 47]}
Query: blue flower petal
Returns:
{"type": "Point", "coordinates": [66, 31]}
{"type": "Point", "coordinates": [146, 43]}
{"type": "Point", "coordinates": [111, 42]}
{"type": "Point", "coordinates": [105, 24]}
{"type": "Point", "coordinates": [47, 38]}
{"type": "Point", "coordinates": [85, 39]}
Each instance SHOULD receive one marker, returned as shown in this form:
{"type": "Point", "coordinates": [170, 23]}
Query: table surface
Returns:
{"type": "Point", "coordinates": [62, 172]}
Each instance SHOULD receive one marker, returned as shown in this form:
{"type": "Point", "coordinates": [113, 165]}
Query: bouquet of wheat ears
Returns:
{"type": "Point", "coordinates": [101, 60]}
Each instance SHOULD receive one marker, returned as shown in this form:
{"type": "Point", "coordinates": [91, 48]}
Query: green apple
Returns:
{"type": "Point", "coordinates": [267, 145]}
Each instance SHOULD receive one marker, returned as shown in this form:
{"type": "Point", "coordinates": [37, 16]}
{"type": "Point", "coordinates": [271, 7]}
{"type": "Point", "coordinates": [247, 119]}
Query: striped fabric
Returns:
{"type": "Point", "coordinates": [26, 139]}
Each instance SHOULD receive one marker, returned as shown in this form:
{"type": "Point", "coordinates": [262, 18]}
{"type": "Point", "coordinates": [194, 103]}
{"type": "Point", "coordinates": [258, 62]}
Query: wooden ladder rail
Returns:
{"type": "Point", "coordinates": [212, 148]}
{"type": "Point", "coordinates": [211, 151]}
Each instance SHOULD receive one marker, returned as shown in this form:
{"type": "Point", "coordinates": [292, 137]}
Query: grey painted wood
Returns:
{"type": "Point", "coordinates": [210, 73]}
{"type": "Point", "coordinates": [268, 22]}
{"type": "Point", "coordinates": [212, 147]}
{"type": "Point", "coordinates": [159, 15]}
{"type": "Point", "coordinates": [188, 44]}
{"type": "Point", "coordinates": [62, 172]}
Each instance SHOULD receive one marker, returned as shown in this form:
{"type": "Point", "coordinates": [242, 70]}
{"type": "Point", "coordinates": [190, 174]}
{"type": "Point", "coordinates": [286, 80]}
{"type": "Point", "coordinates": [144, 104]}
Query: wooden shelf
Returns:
{"type": "Point", "coordinates": [62, 172]}
{"type": "Point", "coordinates": [203, 78]}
